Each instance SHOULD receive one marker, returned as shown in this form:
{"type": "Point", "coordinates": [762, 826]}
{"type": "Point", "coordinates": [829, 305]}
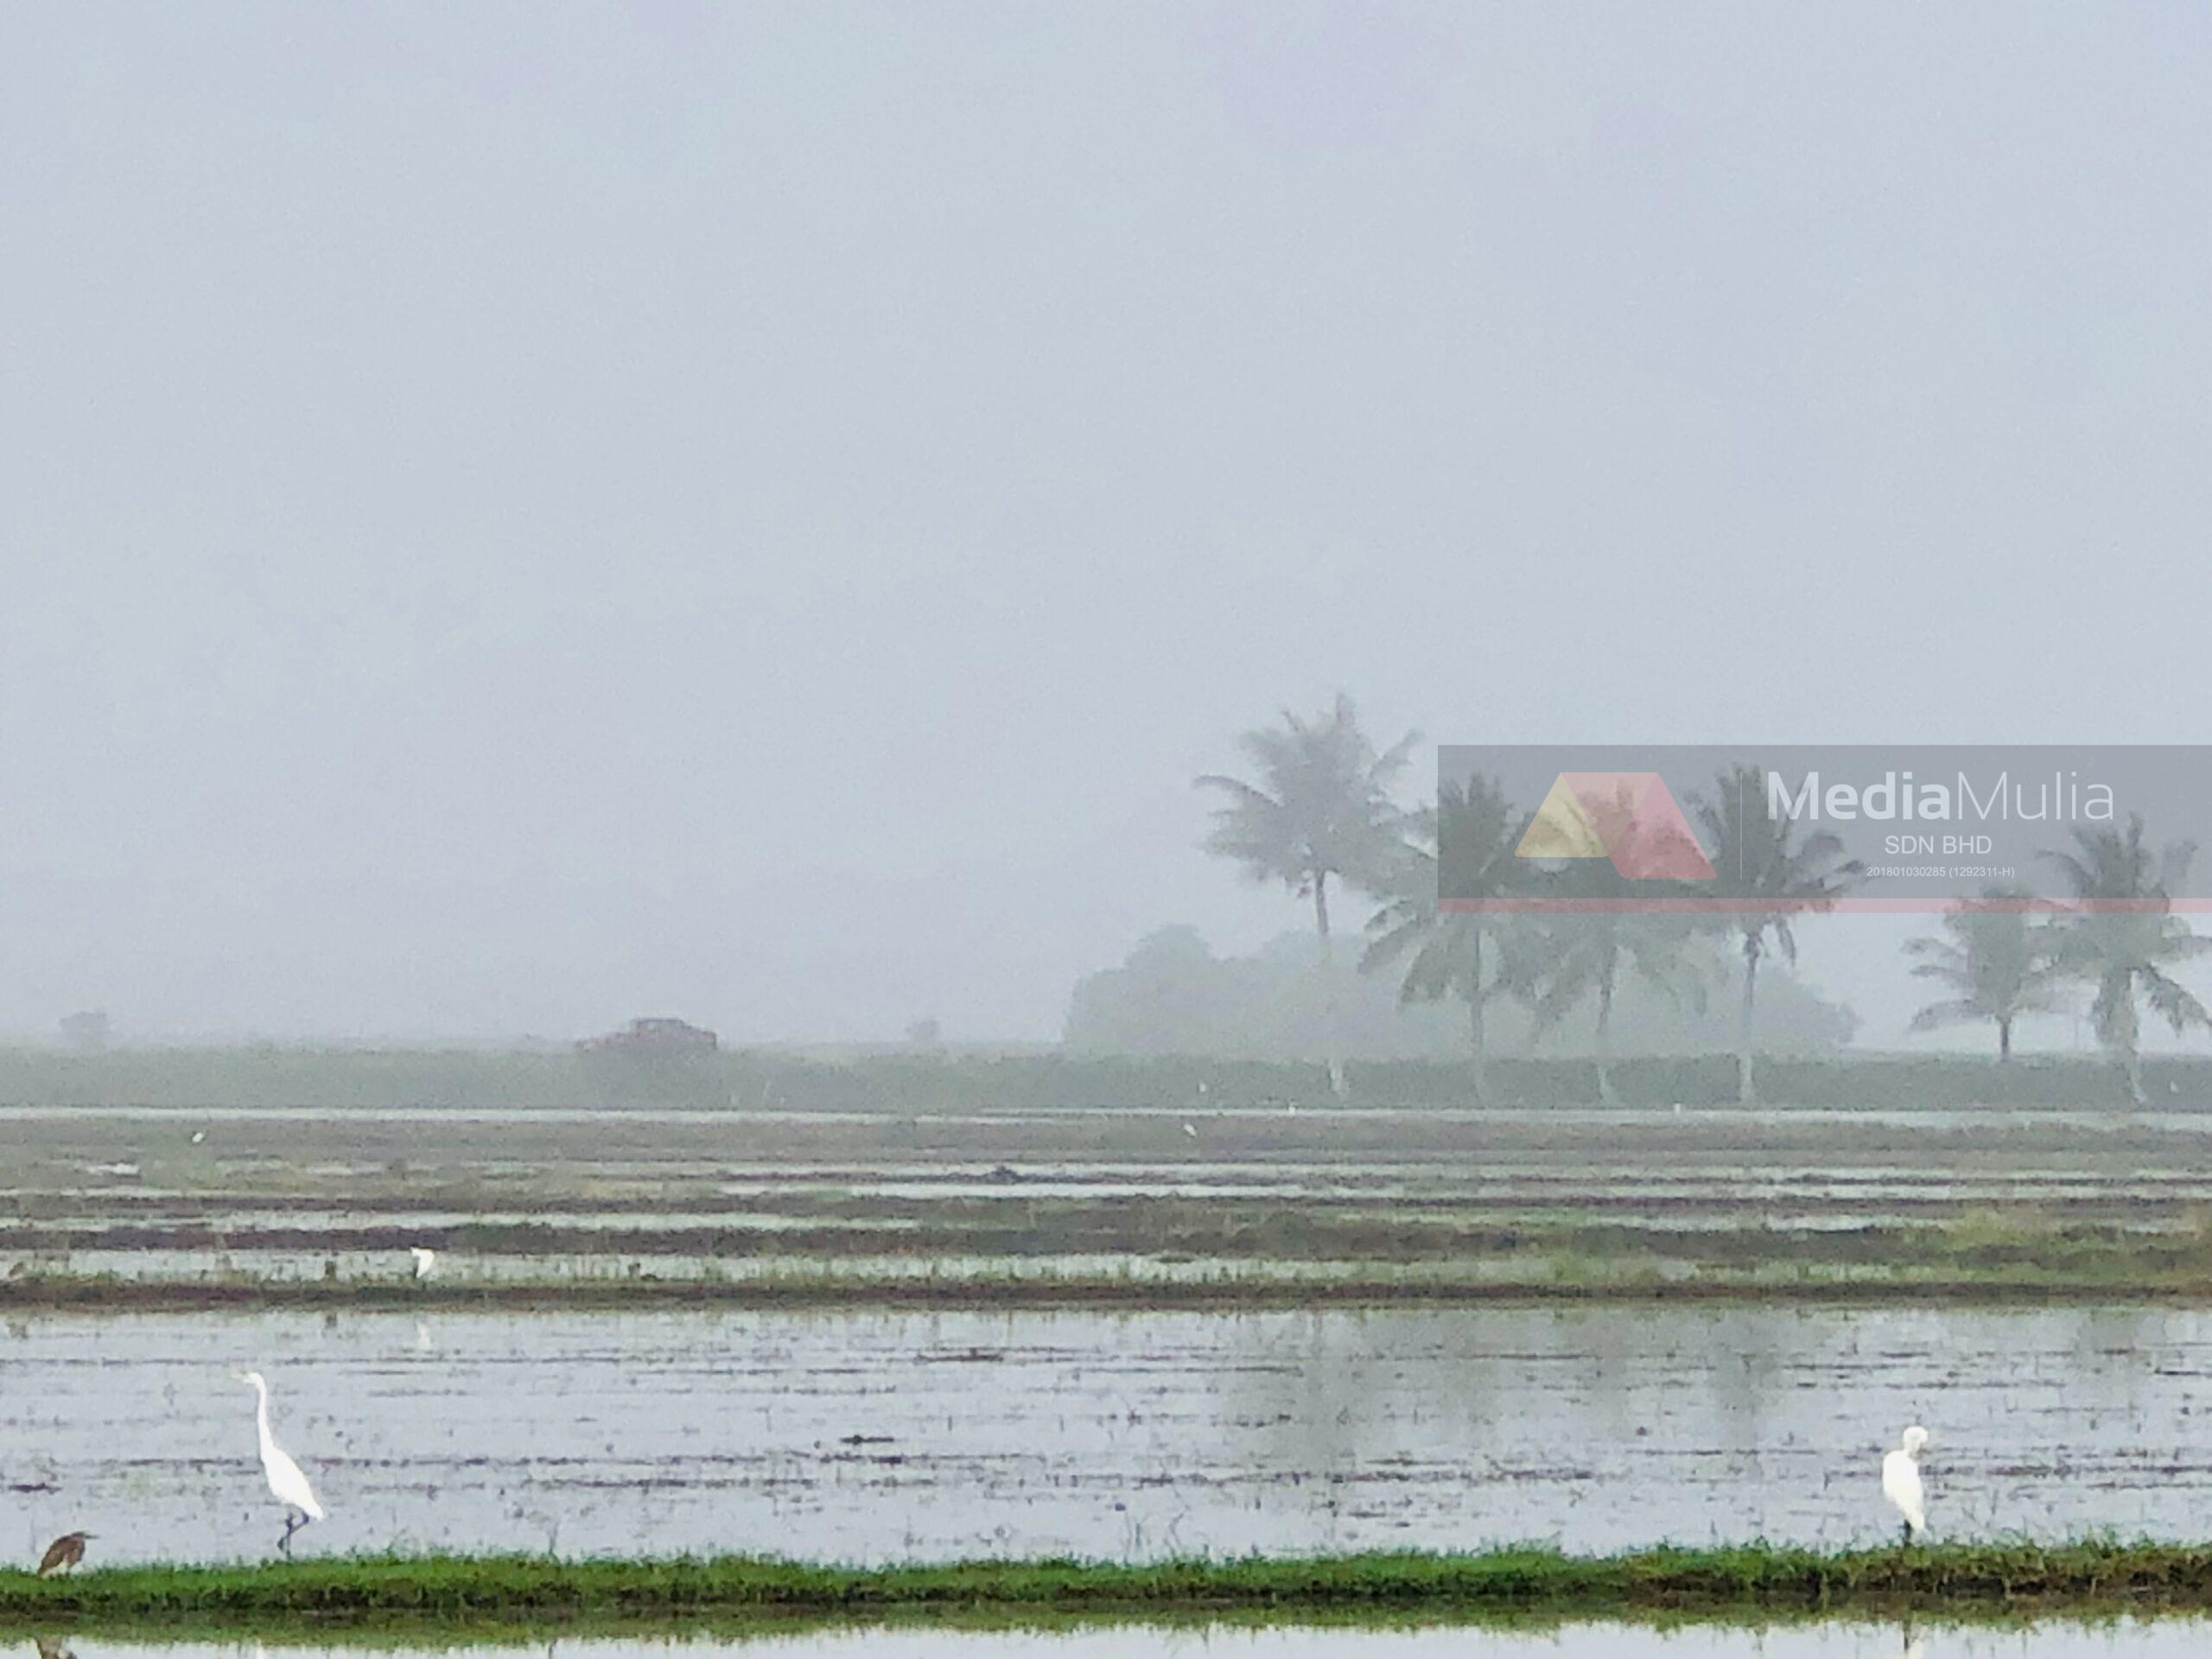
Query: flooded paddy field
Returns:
{"type": "Point", "coordinates": [873, 1436]}
{"type": "Point", "coordinates": [2147, 1639]}
{"type": "Point", "coordinates": [524, 1201]}
{"type": "Point", "coordinates": [2170, 1638]}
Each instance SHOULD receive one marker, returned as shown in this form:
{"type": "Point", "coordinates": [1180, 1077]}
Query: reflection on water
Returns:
{"type": "Point", "coordinates": [870, 1436]}
{"type": "Point", "coordinates": [2156, 1639]}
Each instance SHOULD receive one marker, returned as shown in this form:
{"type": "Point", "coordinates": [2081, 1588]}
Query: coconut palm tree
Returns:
{"type": "Point", "coordinates": [1559, 960]}
{"type": "Point", "coordinates": [2120, 934]}
{"type": "Point", "coordinates": [1473, 830]}
{"type": "Point", "coordinates": [1996, 963]}
{"type": "Point", "coordinates": [1320, 809]}
{"type": "Point", "coordinates": [1770, 876]}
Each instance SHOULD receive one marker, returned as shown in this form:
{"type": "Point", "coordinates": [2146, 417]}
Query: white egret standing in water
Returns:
{"type": "Point", "coordinates": [288, 1484]}
{"type": "Point", "coordinates": [426, 1262]}
{"type": "Point", "coordinates": [1901, 1483]}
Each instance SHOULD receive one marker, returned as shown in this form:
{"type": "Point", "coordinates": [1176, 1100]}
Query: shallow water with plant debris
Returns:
{"type": "Point", "coordinates": [183, 1207]}
{"type": "Point", "coordinates": [865, 1437]}
{"type": "Point", "coordinates": [2143, 1639]}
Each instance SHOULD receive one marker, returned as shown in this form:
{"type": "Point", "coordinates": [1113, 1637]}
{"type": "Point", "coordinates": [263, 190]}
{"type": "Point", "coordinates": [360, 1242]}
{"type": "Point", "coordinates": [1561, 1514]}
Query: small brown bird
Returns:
{"type": "Point", "coordinates": [63, 1552]}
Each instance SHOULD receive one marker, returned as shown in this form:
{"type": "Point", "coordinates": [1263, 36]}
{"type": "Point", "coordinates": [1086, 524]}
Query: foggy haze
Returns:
{"type": "Point", "coordinates": [519, 516]}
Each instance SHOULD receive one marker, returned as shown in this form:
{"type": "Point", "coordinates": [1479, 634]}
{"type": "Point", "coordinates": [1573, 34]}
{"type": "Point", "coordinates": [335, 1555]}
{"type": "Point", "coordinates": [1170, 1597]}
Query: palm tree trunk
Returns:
{"type": "Point", "coordinates": [1330, 1037]}
{"type": "Point", "coordinates": [1476, 1036]}
{"type": "Point", "coordinates": [2133, 1059]}
{"type": "Point", "coordinates": [1747, 1087]}
{"type": "Point", "coordinates": [2004, 1040]}
{"type": "Point", "coordinates": [1604, 1051]}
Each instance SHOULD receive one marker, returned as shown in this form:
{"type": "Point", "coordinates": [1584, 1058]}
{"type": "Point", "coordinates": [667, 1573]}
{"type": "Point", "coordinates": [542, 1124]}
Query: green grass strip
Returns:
{"type": "Point", "coordinates": [1960, 1580]}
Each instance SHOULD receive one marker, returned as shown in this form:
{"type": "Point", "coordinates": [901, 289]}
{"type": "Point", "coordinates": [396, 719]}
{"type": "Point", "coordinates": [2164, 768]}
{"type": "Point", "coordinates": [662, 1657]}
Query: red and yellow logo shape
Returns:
{"type": "Point", "coordinates": [1627, 817]}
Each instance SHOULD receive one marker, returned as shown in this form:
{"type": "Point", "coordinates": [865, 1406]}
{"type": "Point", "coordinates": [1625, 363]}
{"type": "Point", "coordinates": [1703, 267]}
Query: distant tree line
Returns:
{"type": "Point", "coordinates": [1316, 813]}
{"type": "Point", "coordinates": [1174, 995]}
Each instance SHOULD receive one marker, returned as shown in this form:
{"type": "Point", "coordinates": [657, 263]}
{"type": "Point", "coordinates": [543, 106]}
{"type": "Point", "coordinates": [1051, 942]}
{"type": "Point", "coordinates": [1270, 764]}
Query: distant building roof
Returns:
{"type": "Point", "coordinates": [658, 1034]}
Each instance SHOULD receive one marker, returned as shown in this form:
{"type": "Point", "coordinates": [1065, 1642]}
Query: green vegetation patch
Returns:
{"type": "Point", "coordinates": [2094, 1578]}
{"type": "Point", "coordinates": [739, 1080]}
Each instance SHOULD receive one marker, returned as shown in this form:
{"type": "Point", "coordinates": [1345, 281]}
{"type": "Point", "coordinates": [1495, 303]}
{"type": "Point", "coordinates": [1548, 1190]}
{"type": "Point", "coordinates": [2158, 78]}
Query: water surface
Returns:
{"type": "Point", "coordinates": [878, 1436]}
{"type": "Point", "coordinates": [2158, 1639]}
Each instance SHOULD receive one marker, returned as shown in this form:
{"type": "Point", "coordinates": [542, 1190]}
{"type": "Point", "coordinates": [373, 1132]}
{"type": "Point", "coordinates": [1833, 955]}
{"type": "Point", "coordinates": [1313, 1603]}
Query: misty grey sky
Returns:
{"type": "Point", "coordinates": [519, 514]}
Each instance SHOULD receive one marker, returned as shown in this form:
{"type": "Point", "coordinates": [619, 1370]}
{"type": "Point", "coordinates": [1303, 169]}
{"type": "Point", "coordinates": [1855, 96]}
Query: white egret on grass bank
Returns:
{"type": "Point", "coordinates": [63, 1552]}
{"type": "Point", "coordinates": [426, 1262]}
{"type": "Point", "coordinates": [1901, 1483]}
{"type": "Point", "coordinates": [288, 1484]}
